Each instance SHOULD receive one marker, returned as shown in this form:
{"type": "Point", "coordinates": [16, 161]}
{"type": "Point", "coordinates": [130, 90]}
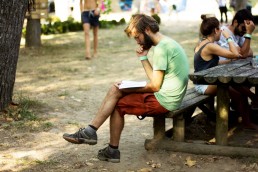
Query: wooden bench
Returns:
{"type": "Point", "coordinates": [191, 100]}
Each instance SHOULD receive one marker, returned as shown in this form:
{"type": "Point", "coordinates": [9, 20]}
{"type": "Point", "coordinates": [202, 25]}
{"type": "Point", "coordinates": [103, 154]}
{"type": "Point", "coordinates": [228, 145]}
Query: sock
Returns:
{"type": "Point", "coordinates": [93, 127]}
{"type": "Point", "coordinates": [90, 130]}
{"type": "Point", "coordinates": [113, 147]}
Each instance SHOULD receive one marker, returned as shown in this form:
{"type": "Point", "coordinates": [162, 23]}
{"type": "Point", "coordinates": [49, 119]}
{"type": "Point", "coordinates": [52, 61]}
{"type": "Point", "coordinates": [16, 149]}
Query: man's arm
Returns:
{"type": "Point", "coordinates": [98, 7]}
{"type": "Point", "coordinates": [156, 76]}
{"type": "Point", "coordinates": [246, 50]}
{"type": "Point", "coordinates": [99, 3]}
{"type": "Point", "coordinates": [153, 86]}
{"type": "Point", "coordinates": [81, 5]}
{"type": "Point", "coordinates": [156, 79]}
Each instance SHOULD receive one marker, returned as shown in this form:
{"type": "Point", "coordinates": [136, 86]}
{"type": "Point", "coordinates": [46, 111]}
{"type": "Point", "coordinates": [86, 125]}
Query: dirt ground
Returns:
{"type": "Point", "coordinates": [68, 90]}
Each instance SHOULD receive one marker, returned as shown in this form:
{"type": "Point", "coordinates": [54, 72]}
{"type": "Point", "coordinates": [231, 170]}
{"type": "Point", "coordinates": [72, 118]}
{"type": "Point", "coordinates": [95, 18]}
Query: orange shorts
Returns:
{"type": "Point", "coordinates": [140, 104]}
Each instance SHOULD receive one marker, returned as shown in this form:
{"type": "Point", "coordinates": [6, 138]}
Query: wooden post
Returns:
{"type": "Point", "coordinates": [204, 149]}
{"type": "Point", "coordinates": [159, 127]}
{"type": "Point", "coordinates": [222, 115]}
{"type": "Point", "coordinates": [159, 132]}
{"type": "Point", "coordinates": [179, 128]}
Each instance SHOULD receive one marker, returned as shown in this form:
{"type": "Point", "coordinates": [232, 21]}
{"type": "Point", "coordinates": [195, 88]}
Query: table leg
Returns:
{"type": "Point", "coordinates": [222, 115]}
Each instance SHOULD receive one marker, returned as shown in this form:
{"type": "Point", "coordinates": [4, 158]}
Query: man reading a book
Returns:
{"type": "Point", "coordinates": [168, 78]}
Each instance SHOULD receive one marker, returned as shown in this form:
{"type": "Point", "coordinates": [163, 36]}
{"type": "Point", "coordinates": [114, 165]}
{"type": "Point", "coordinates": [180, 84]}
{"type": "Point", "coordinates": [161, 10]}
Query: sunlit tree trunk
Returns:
{"type": "Point", "coordinates": [33, 28]}
{"type": "Point", "coordinates": [240, 4]}
{"type": "Point", "coordinates": [33, 33]}
{"type": "Point", "coordinates": [12, 13]}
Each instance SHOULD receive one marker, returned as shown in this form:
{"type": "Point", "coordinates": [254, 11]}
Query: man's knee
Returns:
{"type": "Point", "coordinates": [114, 91]}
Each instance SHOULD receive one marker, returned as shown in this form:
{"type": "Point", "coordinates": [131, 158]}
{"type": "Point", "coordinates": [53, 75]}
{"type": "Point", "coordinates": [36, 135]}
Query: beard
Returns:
{"type": "Point", "coordinates": [148, 43]}
{"type": "Point", "coordinates": [238, 32]}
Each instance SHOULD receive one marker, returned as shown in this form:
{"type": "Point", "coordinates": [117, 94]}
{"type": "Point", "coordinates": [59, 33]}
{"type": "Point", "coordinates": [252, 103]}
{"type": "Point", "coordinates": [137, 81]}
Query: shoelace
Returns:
{"type": "Point", "coordinates": [78, 133]}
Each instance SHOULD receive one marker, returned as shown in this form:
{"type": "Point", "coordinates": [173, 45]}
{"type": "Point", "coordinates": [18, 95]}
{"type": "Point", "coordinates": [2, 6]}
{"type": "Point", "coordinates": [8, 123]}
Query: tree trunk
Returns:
{"type": "Point", "coordinates": [33, 33]}
{"type": "Point", "coordinates": [240, 4]}
{"type": "Point", "coordinates": [12, 13]}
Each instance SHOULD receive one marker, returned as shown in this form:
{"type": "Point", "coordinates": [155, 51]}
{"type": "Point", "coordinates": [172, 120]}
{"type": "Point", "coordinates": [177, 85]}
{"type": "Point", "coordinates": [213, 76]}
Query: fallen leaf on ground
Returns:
{"type": "Point", "coordinates": [190, 162]}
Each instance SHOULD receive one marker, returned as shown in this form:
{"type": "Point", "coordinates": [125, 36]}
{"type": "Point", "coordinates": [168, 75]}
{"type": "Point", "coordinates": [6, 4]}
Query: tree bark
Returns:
{"type": "Point", "coordinates": [240, 4]}
{"type": "Point", "coordinates": [33, 33]}
{"type": "Point", "coordinates": [12, 13]}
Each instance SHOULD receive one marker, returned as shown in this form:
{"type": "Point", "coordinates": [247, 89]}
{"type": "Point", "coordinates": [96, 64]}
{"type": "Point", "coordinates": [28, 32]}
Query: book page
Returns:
{"type": "Point", "coordinates": [132, 84]}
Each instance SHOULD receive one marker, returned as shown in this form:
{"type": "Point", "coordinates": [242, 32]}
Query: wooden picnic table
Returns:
{"type": "Point", "coordinates": [238, 72]}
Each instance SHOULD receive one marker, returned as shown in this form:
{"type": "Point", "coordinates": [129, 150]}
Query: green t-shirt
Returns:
{"type": "Point", "coordinates": [170, 57]}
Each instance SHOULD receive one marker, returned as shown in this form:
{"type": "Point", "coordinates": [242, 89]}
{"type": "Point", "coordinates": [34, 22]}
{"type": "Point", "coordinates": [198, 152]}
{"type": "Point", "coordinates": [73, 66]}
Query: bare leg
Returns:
{"type": "Point", "coordinates": [86, 28]}
{"type": "Point", "coordinates": [107, 107]}
{"type": "Point", "coordinates": [211, 90]}
{"type": "Point", "coordinates": [242, 107]}
{"type": "Point", "coordinates": [116, 127]}
{"type": "Point", "coordinates": [95, 40]}
{"type": "Point", "coordinates": [226, 15]}
{"type": "Point", "coordinates": [246, 91]}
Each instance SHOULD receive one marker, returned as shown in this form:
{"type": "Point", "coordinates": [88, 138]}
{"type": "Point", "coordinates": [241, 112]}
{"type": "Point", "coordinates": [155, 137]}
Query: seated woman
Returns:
{"type": "Point", "coordinates": [206, 56]}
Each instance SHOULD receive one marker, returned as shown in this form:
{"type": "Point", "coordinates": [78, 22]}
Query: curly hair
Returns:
{"type": "Point", "coordinates": [242, 15]}
{"type": "Point", "coordinates": [140, 22]}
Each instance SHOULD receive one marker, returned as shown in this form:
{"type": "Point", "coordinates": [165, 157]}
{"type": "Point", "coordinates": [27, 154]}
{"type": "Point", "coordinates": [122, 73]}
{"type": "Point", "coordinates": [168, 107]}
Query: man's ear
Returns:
{"type": "Point", "coordinates": [235, 23]}
{"type": "Point", "coordinates": [147, 30]}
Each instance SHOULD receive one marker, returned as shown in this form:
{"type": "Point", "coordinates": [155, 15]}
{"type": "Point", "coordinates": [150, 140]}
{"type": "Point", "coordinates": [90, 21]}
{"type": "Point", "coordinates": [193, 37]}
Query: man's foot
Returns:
{"type": "Point", "coordinates": [87, 58]}
{"type": "Point", "coordinates": [81, 137]}
{"type": "Point", "coordinates": [95, 55]}
{"type": "Point", "coordinates": [109, 154]}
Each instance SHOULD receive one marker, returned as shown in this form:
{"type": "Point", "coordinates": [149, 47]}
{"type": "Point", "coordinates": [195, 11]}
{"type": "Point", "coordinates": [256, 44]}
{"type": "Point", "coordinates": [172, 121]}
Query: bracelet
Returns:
{"type": "Point", "coordinates": [143, 58]}
{"type": "Point", "coordinates": [229, 39]}
{"type": "Point", "coordinates": [247, 36]}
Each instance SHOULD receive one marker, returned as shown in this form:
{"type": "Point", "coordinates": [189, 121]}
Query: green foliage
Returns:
{"type": "Point", "coordinates": [104, 24]}
{"type": "Point", "coordinates": [22, 111]}
{"type": "Point", "coordinates": [107, 4]}
{"type": "Point", "coordinates": [55, 26]}
{"type": "Point", "coordinates": [22, 116]}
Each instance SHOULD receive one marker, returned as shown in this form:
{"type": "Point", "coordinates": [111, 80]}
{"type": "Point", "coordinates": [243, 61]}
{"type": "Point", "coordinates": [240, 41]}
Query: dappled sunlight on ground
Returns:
{"type": "Point", "coordinates": [71, 90]}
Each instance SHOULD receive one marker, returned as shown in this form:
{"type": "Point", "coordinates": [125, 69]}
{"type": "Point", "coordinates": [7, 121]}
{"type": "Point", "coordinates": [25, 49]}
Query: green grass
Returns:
{"type": "Point", "coordinates": [24, 115]}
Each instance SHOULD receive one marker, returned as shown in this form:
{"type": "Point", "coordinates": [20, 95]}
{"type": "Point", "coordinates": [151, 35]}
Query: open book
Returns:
{"type": "Point", "coordinates": [132, 84]}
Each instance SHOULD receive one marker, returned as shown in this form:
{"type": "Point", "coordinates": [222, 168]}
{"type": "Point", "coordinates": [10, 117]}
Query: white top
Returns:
{"type": "Point", "coordinates": [238, 40]}
{"type": "Point", "coordinates": [222, 3]}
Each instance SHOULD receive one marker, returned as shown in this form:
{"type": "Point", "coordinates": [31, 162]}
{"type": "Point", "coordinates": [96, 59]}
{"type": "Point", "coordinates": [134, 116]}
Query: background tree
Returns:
{"type": "Point", "coordinates": [240, 4]}
{"type": "Point", "coordinates": [12, 13]}
{"type": "Point", "coordinates": [33, 27]}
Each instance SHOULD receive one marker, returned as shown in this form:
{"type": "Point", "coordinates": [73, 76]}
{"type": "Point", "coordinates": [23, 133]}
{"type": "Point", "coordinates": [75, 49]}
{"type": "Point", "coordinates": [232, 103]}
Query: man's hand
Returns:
{"type": "Point", "coordinates": [250, 26]}
{"type": "Point", "coordinates": [141, 52]}
{"type": "Point", "coordinates": [117, 84]}
{"type": "Point", "coordinates": [96, 12]}
{"type": "Point", "coordinates": [225, 33]}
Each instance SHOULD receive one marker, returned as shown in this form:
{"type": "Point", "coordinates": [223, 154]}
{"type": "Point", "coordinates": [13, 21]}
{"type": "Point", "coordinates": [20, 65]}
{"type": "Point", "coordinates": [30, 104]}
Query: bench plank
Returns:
{"type": "Point", "coordinates": [191, 100]}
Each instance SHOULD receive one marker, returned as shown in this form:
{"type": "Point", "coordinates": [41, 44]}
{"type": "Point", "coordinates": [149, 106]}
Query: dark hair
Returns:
{"type": "Point", "coordinates": [140, 22]}
{"type": "Point", "coordinates": [242, 15]}
{"type": "Point", "coordinates": [208, 25]}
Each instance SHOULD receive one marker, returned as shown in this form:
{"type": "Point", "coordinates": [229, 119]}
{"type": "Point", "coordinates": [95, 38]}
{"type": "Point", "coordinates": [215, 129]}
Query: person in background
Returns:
{"type": "Point", "coordinates": [168, 79]}
{"type": "Point", "coordinates": [223, 10]}
{"type": "Point", "coordinates": [249, 6]}
{"type": "Point", "coordinates": [90, 13]}
{"type": "Point", "coordinates": [207, 54]}
{"type": "Point", "coordinates": [240, 31]}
